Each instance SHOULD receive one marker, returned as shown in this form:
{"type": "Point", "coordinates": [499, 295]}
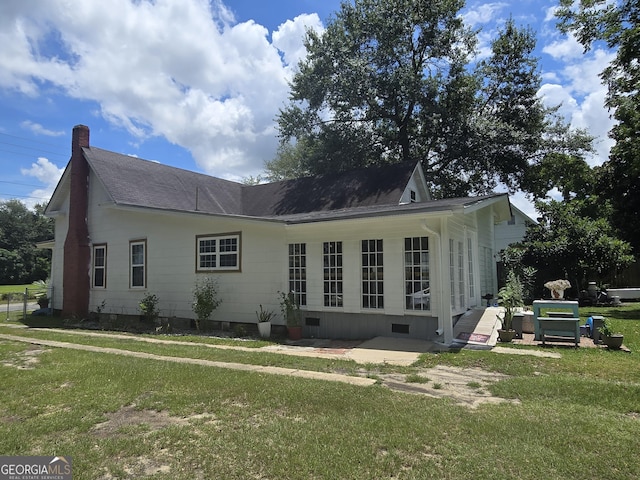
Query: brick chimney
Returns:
{"type": "Point", "coordinates": [77, 254]}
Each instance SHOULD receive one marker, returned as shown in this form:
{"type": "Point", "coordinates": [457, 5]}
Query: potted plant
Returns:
{"type": "Point", "coordinates": [264, 322]}
{"type": "Point", "coordinates": [609, 337]}
{"type": "Point", "coordinates": [510, 298]}
{"type": "Point", "coordinates": [42, 297]}
{"type": "Point", "coordinates": [291, 311]}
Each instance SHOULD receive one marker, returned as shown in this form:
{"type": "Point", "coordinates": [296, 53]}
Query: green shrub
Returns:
{"type": "Point", "coordinates": [149, 308]}
{"type": "Point", "coordinates": [205, 299]}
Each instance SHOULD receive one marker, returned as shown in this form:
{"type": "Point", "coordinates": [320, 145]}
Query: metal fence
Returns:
{"type": "Point", "coordinates": [33, 299]}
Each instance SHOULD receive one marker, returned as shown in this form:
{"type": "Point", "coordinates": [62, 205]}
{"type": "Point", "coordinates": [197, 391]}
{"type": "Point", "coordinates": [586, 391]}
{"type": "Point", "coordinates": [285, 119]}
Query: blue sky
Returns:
{"type": "Point", "coordinates": [197, 84]}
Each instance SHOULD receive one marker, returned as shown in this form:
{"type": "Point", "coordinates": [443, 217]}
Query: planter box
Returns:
{"type": "Point", "coordinates": [264, 328]}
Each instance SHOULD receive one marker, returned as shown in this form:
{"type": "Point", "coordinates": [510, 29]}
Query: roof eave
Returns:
{"type": "Point", "coordinates": [362, 215]}
{"type": "Point", "coordinates": [170, 211]}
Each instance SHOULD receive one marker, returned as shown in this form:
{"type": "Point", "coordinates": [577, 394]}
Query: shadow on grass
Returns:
{"type": "Point", "coordinates": [43, 321]}
{"type": "Point", "coordinates": [625, 312]}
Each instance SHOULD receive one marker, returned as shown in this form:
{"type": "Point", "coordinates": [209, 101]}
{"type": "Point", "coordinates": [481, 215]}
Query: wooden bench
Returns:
{"type": "Point", "coordinates": [560, 327]}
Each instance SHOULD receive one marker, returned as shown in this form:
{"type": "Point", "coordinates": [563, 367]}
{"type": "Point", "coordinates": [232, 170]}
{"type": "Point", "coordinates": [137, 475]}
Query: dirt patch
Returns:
{"type": "Point", "coordinates": [26, 359]}
{"type": "Point", "coordinates": [130, 417]}
{"type": "Point", "coordinates": [466, 386]}
{"type": "Point", "coordinates": [131, 420]}
{"type": "Point", "coordinates": [139, 467]}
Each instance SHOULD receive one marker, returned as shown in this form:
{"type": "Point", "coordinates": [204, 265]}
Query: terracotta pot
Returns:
{"type": "Point", "coordinates": [294, 333]}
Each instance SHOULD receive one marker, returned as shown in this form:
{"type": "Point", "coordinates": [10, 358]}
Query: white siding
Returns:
{"type": "Point", "coordinates": [57, 253]}
{"type": "Point", "coordinates": [171, 249]}
{"type": "Point", "coordinates": [486, 252]}
{"type": "Point", "coordinates": [511, 231]}
{"type": "Point", "coordinates": [171, 263]}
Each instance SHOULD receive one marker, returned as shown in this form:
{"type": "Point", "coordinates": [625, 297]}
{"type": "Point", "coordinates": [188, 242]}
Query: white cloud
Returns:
{"type": "Point", "coordinates": [565, 49]}
{"type": "Point", "coordinates": [578, 87]}
{"type": "Point", "coordinates": [181, 69]}
{"type": "Point", "coordinates": [550, 14]}
{"type": "Point", "coordinates": [47, 173]}
{"type": "Point", "coordinates": [290, 35]}
{"type": "Point", "coordinates": [483, 13]}
{"type": "Point", "coordinates": [554, 94]}
{"type": "Point", "coordinates": [40, 130]}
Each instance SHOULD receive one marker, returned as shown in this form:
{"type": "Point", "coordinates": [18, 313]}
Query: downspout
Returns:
{"type": "Point", "coordinates": [444, 328]}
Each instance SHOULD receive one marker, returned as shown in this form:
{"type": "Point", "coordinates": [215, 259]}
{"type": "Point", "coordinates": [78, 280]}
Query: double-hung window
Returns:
{"type": "Point", "coordinates": [218, 252]}
{"type": "Point", "coordinates": [138, 264]}
{"type": "Point", "coordinates": [99, 274]}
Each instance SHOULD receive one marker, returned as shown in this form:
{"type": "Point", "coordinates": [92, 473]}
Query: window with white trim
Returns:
{"type": "Point", "coordinates": [137, 264]}
{"type": "Point", "coordinates": [332, 270]}
{"type": "Point", "coordinates": [218, 252]}
{"type": "Point", "coordinates": [298, 272]}
{"type": "Point", "coordinates": [99, 267]}
{"type": "Point", "coordinates": [416, 273]}
{"type": "Point", "coordinates": [372, 274]}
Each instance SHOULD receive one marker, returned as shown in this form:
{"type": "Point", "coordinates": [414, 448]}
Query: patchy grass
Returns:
{"type": "Point", "coordinates": [415, 378]}
{"type": "Point", "coordinates": [577, 416]}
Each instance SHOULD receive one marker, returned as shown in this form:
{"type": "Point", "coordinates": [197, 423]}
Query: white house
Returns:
{"type": "Point", "coordinates": [367, 252]}
{"type": "Point", "coordinates": [512, 230]}
{"type": "Point", "coordinates": [508, 232]}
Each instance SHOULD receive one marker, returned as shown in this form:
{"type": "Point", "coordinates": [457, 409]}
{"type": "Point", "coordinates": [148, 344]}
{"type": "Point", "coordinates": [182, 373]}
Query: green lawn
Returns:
{"type": "Point", "coordinates": [13, 288]}
{"type": "Point", "coordinates": [575, 417]}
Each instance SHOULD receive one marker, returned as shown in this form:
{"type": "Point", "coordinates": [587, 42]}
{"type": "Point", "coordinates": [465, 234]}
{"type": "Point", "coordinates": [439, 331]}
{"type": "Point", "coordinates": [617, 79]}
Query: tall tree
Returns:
{"type": "Point", "coordinates": [570, 243]}
{"type": "Point", "coordinates": [20, 230]}
{"type": "Point", "coordinates": [391, 81]}
{"type": "Point", "coordinates": [374, 85]}
{"type": "Point", "coordinates": [618, 25]}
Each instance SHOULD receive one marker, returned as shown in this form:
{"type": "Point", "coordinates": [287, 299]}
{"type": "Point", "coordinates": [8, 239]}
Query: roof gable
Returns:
{"type": "Point", "coordinates": [135, 182]}
{"type": "Point", "coordinates": [131, 181]}
{"type": "Point", "coordinates": [358, 188]}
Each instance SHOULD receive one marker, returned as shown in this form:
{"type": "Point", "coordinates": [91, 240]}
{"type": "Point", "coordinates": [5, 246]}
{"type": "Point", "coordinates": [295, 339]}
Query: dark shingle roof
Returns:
{"type": "Point", "coordinates": [135, 182]}
{"type": "Point", "coordinates": [131, 181]}
{"type": "Point", "coordinates": [359, 188]}
{"type": "Point", "coordinates": [432, 206]}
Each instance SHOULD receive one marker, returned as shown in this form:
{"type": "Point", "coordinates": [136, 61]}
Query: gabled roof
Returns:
{"type": "Point", "coordinates": [358, 188]}
{"type": "Point", "coordinates": [133, 182]}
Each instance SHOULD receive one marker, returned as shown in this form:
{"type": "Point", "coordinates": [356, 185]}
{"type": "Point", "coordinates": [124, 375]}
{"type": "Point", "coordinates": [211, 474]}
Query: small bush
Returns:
{"type": "Point", "coordinates": [149, 308]}
{"type": "Point", "coordinates": [205, 299]}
